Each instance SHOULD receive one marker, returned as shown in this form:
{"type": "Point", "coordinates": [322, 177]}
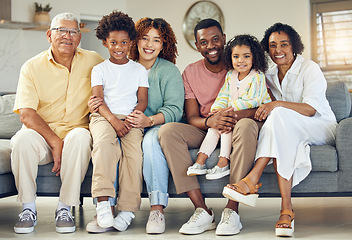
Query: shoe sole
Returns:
{"type": "Point", "coordinates": [99, 230]}
{"type": "Point", "coordinates": [285, 232]}
{"type": "Point", "coordinates": [155, 231]}
{"type": "Point", "coordinates": [65, 229]}
{"type": "Point", "coordinates": [196, 173]}
{"type": "Point", "coordinates": [23, 230]}
{"type": "Point", "coordinates": [249, 200]}
{"type": "Point", "coordinates": [193, 232]}
{"type": "Point", "coordinates": [217, 176]}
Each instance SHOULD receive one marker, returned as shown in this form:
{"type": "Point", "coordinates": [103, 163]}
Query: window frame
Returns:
{"type": "Point", "coordinates": [320, 6]}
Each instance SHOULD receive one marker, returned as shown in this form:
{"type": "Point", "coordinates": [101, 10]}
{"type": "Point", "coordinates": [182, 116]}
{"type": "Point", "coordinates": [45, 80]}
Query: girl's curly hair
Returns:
{"type": "Point", "coordinates": [143, 25]}
{"type": "Point", "coordinates": [259, 60]}
{"type": "Point", "coordinates": [115, 21]}
{"type": "Point", "coordinates": [295, 38]}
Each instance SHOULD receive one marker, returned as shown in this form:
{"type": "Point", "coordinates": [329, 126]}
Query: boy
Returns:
{"type": "Point", "coordinates": [123, 84]}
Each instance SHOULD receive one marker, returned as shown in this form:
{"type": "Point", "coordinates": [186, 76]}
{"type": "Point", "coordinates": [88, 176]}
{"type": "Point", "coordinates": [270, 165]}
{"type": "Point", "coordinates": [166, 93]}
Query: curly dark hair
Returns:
{"type": "Point", "coordinates": [143, 25]}
{"type": "Point", "coordinates": [295, 38]}
{"type": "Point", "coordinates": [259, 60]}
{"type": "Point", "coordinates": [115, 21]}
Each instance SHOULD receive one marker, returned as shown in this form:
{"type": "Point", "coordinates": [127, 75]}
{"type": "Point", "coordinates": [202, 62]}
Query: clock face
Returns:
{"type": "Point", "coordinates": [197, 12]}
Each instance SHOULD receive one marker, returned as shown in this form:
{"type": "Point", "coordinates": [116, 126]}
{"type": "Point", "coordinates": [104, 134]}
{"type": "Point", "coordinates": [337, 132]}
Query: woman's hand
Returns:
{"type": "Point", "coordinates": [263, 111]}
{"type": "Point", "coordinates": [137, 119]}
{"type": "Point", "coordinates": [94, 103]}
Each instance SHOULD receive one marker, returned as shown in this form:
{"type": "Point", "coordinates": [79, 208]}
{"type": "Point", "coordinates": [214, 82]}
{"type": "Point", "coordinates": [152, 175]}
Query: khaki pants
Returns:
{"type": "Point", "coordinates": [29, 149]}
{"type": "Point", "coordinates": [177, 138]}
{"type": "Point", "coordinates": [106, 154]}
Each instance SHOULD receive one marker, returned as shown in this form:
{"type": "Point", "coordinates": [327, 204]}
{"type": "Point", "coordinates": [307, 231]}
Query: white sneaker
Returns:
{"type": "Point", "coordinates": [230, 223]}
{"type": "Point", "coordinates": [105, 218]}
{"type": "Point", "coordinates": [156, 222]}
{"type": "Point", "coordinates": [93, 227]}
{"type": "Point", "coordinates": [123, 220]}
{"type": "Point", "coordinates": [199, 222]}
{"type": "Point", "coordinates": [218, 172]}
{"type": "Point", "coordinates": [197, 169]}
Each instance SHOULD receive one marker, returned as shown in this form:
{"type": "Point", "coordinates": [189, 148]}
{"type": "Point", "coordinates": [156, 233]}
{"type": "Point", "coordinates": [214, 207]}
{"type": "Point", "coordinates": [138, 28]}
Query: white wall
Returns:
{"type": "Point", "coordinates": [17, 46]}
{"type": "Point", "coordinates": [250, 16]}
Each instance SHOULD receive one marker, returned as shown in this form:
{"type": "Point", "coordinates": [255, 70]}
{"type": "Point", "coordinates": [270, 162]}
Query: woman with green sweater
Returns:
{"type": "Point", "coordinates": [155, 48]}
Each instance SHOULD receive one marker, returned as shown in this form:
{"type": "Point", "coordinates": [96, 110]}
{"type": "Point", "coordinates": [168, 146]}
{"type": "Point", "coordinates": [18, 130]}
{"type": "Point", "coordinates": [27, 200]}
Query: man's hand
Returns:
{"type": "Point", "coordinates": [94, 103]}
{"type": "Point", "coordinates": [223, 120]}
{"type": "Point", "coordinates": [57, 153]}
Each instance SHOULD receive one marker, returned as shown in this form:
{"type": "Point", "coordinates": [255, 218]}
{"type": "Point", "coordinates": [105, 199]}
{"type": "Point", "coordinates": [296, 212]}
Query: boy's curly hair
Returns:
{"type": "Point", "coordinates": [167, 35]}
{"type": "Point", "coordinates": [295, 38]}
{"type": "Point", "coordinates": [259, 60]}
{"type": "Point", "coordinates": [115, 21]}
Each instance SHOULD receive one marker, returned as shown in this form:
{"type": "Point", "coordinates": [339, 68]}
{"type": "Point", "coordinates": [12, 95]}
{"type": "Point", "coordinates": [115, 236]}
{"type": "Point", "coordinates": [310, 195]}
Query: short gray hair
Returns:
{"type": "Point", "coordinates": [63, 16]}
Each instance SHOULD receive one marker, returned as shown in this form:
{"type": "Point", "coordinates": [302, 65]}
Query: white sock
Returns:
{"type": "Point", "coordinates": [30, 206]}
{"type": "Point", "coordinates": [62, 205]}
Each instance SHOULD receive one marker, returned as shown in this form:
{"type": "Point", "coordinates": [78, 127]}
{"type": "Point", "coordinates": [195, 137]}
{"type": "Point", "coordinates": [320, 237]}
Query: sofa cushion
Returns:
{"type": "Point", "coordinates": [339, 99]}
{"type": "Point", "coordinates": [5, 156]}
{"type": "Point", "coordinates": [9, 121]}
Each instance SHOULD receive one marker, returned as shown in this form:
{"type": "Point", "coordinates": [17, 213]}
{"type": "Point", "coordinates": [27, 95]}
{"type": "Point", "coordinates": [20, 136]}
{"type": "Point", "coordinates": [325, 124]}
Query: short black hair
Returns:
{"type": "Point", "coordinates": [295, 38]}
{"type": "Point", "coordinates": [259, 60]}
{"type": "Point", "coordinates": [206, 23]}
{"type": "Point", "coordinates": [115, 21]}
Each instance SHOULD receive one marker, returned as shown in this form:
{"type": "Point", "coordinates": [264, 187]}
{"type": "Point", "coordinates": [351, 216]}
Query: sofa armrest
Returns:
{"type": "Point", "coordinates": [344, 153]}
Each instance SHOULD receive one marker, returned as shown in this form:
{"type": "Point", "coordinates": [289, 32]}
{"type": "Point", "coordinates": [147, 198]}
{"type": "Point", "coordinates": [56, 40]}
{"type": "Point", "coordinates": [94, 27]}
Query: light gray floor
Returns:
{"type": "Point", "coordinates": [316, 218]}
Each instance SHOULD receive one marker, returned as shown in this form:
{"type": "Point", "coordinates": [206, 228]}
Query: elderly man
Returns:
{"type": "Point", "coordinates": [52, 95]}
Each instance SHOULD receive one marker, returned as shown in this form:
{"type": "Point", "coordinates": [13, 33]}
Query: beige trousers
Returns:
{"type": "Point", "coordinates": [107, 151]}
{"type": "Point", "coordinates": [29, 149]}
{"type": "Point", "coordinates": [176, 138]}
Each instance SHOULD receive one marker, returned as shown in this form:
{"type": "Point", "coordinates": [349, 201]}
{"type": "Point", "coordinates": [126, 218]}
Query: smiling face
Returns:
{"type": "Point", "coordinates": [118, 44]}
{"type": "Point", "coordinates": [149, 46]}
{"type": "Point", "coordinates": [210, 43]}
{"type": "Point", "coordinates": [63, 45]}
{"type": "Point", "coordinates": [280, 49]}
{"type": "Point", "coordinates": [242, 60]}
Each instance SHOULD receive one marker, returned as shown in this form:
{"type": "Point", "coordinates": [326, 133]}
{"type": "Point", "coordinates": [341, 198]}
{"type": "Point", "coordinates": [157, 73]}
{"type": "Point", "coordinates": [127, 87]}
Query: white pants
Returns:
{"type": "Point", "coordinates": [286, 136]}
{"type": "Point", "coordinates": [29, 149]}
{"type": "Point", "coordinates": [211, 141]}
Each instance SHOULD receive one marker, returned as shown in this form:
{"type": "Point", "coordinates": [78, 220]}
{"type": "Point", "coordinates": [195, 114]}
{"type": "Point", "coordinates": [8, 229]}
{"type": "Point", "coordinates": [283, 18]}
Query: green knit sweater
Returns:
{"type": "Point", "coordinates": [166, 92]}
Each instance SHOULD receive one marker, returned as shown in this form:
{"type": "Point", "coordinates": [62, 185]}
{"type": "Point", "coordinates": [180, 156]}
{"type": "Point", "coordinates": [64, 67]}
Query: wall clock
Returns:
{"type": "Point", "coordinates": [197, 12]}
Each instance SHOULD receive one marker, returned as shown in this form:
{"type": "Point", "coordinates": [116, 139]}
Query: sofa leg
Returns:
{"type": "Point", "coordinates": [81, 200]}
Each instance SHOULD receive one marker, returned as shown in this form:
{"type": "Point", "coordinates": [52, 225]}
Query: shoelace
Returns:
{"type": "Point", "coordinates": [27, 215]}
{"type": "Point", "coordinates": [156, 216]}
{"type": "Point", "coordinates": [64, 215]}
{"type": "Point", "coordinates": [196, 215]}
{"type": "Point", "coordinates": [226, 216]}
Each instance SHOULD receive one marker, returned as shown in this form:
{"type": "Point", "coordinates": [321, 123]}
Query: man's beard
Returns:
{"type": "Point", "coordinates": [214, 62]}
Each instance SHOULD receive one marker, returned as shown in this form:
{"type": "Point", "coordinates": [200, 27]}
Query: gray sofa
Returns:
{"type": "Point", "coordinates": [330, 176]}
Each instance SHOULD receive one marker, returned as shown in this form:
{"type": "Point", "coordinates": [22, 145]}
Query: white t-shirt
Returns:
{"type": "Point", "coordinates": [120, 84]}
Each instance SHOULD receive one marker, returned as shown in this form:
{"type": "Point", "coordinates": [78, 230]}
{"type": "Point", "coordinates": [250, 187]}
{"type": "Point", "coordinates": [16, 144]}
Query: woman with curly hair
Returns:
{"type": "Point", "coordinates": [300, 116]}
{"type": "Point", "coordinates": [155, 48]}
{"type": "Point", "coordinates": [244, 88]}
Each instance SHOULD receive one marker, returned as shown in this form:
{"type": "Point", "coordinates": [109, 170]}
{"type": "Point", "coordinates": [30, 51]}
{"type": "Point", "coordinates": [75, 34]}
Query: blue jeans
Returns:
{"type": "Point", "coordinates": [155, 168]}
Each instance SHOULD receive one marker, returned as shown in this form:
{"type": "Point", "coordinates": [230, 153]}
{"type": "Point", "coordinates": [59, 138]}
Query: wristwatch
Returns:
{"type": "Point", "coordinates": [151, 122]}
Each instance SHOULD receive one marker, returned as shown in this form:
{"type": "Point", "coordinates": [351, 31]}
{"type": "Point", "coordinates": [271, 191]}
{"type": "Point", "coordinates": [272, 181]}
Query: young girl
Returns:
{"type": "Point", "coordinates": [244, 88]}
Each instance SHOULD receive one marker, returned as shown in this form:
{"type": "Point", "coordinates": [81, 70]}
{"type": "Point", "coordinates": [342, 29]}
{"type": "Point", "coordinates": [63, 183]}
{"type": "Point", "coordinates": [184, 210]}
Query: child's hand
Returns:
{"type": "Point", "coordinates": [213, 112]}
{"type": "Point", "coordinates": [120, 127]}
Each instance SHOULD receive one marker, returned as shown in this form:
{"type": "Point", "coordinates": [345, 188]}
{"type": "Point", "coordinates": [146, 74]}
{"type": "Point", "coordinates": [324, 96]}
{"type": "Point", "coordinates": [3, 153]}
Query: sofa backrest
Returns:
{"type": "Point", "coordinates": [339, 99]}
{"type": "Point", "coordinates": [9, 121]}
